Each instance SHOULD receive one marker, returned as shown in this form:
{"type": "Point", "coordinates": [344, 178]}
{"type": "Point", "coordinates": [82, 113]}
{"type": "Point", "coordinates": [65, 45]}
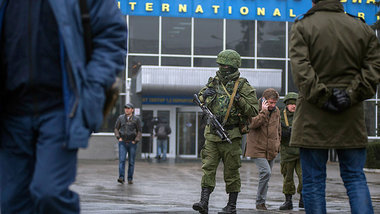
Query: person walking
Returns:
{"type": "Point", "coordinates": [162, 131]}
{"type": "Point", "coordinates": [128, 132]}
{"type": "Point", "coordinates": [335, 61]}
{"type": "Point", "coordinates": [263, 142]}
{"type": "Point", "coordinates": [290, 156]}
{"type": "Point", "coordinates": [227, 88]}
{"type": "Point", "coordinates": [52, 96]}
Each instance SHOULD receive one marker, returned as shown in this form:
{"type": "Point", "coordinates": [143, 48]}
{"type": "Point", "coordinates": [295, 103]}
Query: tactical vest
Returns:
{"type": "Point", "coordinates": [218, 103]}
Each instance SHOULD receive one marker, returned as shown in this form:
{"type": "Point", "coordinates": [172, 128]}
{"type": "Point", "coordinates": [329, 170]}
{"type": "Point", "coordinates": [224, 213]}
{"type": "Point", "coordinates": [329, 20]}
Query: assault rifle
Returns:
{"type": "Point", "coordinates": [222, 133]}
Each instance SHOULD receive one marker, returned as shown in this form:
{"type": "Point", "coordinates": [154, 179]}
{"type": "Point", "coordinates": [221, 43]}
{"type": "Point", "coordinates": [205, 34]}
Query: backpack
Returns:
{"type": "Point", "coordinates": [161, 132]}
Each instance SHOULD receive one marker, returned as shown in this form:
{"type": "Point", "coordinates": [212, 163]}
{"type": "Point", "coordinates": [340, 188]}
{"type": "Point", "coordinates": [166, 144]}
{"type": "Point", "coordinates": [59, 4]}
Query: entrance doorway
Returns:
{"type": "Point", "coordinates": [149, 122]}
{"type": "Point", "coordinates": [190, 128]}
{"type": "Point", "coordinates": [187, 125]}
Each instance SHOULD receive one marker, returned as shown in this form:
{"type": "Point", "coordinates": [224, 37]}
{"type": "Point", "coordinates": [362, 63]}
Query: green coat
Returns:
{"type": "Point", "coordinates": [241, 111]}
{"type": "Point", "coordinates": [328, 49]}
{"type": "Point", "coordinates": [288, 153]}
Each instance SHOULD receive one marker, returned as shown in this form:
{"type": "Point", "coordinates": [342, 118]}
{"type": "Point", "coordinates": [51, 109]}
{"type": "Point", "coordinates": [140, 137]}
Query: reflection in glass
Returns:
{"type": "Point", "coordinates": [143, 34]}
{"type": "Point", "coordinates": [247, 63]}
{"type": "Point", "coordinates": [291, 86]}
{"type": "Point", "coordinates": [147, 121]}
{"type": "Point", "coordinates": [274, 64]}
{"type": "Point", "coordinates": [208, 36]}
{"type": "Point", "coordinates": [134, 63]}
{"type": "Point", "coordinates": [164, 116]}
{"type": "Point", "coordinates": [205, 62]}
{"type": "Point", "coordinates": [271, 39]}
{"type": "Point", "coordinates": [147, 128]}
{"type": "Point", "coordinates": [110, 119]}
{"type": "Point", "coordinates": [370, 115]}
{"type": "Point", "coordinates": [186, 126]}
{"type": "Point", "coordinates": [175, 61]}
{"type": "Point", "coordinates": [240, 36]}
{"type": "Point", "coordinates": [176, 35]}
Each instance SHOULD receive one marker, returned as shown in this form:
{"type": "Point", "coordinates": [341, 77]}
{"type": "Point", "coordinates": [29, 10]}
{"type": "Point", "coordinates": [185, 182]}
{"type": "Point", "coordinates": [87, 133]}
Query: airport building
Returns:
{"type": "Point", "coordinates": [172, 48]}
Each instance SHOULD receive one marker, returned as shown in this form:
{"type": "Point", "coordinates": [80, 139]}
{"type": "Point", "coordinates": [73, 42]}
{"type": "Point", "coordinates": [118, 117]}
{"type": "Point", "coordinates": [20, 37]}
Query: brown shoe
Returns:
{"type": "Point", "coordinates": [261, 207]}
{"type": "Point", "coordinates": [130, 182]}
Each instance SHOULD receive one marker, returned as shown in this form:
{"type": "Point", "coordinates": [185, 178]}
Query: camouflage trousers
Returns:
{"type": "Point", "coordinates": [287, 170]}
{"type": "Point", "coordinates": [212, 153]}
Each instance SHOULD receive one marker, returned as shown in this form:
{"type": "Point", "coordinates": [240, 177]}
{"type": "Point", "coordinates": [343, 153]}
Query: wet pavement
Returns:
{"type": "Point", "coordinates": [174, 185]}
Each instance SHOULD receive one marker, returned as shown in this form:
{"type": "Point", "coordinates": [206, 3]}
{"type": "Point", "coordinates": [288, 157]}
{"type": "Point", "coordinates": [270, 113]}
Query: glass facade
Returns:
{"type": "Point", "coordinates": [194, 42]}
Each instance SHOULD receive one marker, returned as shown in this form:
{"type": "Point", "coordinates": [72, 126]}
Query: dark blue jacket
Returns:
{"type": "Point", "coordinates": [84, 84]}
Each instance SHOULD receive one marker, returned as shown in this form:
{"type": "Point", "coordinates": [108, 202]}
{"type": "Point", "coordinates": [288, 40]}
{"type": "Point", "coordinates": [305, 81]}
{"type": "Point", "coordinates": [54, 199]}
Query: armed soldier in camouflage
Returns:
{"type": "Point", "coordinates": [290, 156]}
{"type": "Point", "coordinates": [232, 100]}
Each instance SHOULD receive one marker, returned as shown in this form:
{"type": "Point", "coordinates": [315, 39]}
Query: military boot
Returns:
{"type": "Point", "coordinates": [202, 205]}
{"type": "Point", "coordinates": [300, 204]}
{"type": "Point", "coordinates": [231, 205]}
{"type": "Point", "coordinates": [288, 204]}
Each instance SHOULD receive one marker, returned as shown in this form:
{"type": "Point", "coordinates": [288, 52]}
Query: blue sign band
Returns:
{"type": "Point", "coordinates": [265, 10]}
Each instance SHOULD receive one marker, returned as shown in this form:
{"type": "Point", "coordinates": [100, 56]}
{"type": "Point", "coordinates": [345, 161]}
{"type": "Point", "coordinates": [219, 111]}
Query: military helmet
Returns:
{"type": "Point", "coordinates": [290, 96]}
{"type": "Point", "coordinates": [229, 57]}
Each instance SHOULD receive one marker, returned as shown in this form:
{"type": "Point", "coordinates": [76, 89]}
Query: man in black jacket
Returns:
{"type": "Point", "coordinates": [162, 131]}
{"type": "Point", "coordinates": [128, 133]}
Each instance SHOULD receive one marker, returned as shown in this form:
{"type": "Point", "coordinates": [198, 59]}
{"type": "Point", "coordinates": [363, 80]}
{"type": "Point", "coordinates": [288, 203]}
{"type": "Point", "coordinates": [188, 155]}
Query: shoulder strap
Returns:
{"type": "Point", "coordinates": [286, 118]}
{"type": "Point", "coordinates": [231, 101]}
{"type": "Point", "coordinates": [86, 28]}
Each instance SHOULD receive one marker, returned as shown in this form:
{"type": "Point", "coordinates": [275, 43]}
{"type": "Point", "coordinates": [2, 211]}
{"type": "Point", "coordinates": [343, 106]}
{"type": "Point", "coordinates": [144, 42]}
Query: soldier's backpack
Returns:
{"type": "Point", "coordinates": [161, 132]}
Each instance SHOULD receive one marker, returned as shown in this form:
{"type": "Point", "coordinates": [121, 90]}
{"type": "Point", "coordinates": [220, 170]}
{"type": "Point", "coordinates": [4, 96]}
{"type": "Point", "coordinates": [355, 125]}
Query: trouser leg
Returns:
{"type": "Point", "coordinates": [52, 166]}
{"type": "Point", "coordinates": [265, 170]}
{"type": "Point", "coordinates": [313, 162]}
{"type": "Point", "coordinates": [230, 154]}
{"type": "Point", "coordinates": [131, 160]}
{"type": "Point", "coordinates": [17, 157]}
{"type": "Point", "coordinates": [159, 146]}
{"type": "Point", "coordinates": [164, 148]}
{"type": "Point", "coordinates": [298, 170]}
{"type": "Point", "coordinates": [287, 170]}
{"type": "Point", "coordinates": [122, 158]}
{"type": "Point", "coordinates": [210, 161]}
{"type": "Point", "coordinates": [351, 162]}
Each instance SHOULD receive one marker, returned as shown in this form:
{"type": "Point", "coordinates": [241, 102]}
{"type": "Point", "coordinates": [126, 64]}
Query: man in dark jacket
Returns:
{"type": "Point", "coordinates": [290, 156]}
{"type": "Point", "coordinates": [162, 131]}
{"type": "Point", "coordinates": [51, 97]}
{"type": "Point", "coordinates": [335, 61]}
{"type": "Point", "coordinates": [128, 133]}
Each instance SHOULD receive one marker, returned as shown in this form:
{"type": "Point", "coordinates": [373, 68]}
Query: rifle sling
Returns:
{"type": "Point", "coordinates": [231, 101]}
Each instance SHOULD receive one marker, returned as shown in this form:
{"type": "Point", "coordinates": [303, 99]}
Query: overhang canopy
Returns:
{"type": "Point", "coordinates": [185, 81]}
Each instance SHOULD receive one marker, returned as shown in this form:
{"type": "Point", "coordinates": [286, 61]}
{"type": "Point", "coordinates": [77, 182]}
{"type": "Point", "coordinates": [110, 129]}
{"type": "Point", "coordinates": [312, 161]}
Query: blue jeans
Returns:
{"type": "Point", "coordinates": [124, 148]}
{"type": "Point", "coordinates": [351, 163]}
{"type": "Point", "coordinates": [265, 170]}
{"type": "Point", "coordinates": [36, 168]}
{"type": "Point", "coordinates": [162, 144]}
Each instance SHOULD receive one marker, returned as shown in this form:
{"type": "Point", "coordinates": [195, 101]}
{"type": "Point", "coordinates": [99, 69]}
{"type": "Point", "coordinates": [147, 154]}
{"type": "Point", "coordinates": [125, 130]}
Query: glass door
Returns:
{"type": "Point", "coordinates": [189, 132]}
{"type": "Point", "coordinates": [150, 116]}
{"type": "Point", "coordinates": [186, 130]}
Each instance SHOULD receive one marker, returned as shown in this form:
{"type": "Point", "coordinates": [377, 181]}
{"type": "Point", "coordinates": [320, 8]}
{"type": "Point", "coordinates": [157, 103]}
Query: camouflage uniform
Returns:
{"type": "Point", "coordinates": [216, 149]}
{"type": "Point", "coordinates": [244, 106]}
{"type": "Point", "coordinates": [290, 159]}
{"type": "Point", "coordinates": [290, 156]}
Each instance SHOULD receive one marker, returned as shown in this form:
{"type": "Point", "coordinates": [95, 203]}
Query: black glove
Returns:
{"type": "Point", "coordinates": [338, 102]}
{"type": "Point", "coordinates": [237, 97]}
{"type": "Point", "coordinates": [330, 106]}
{"type": "Point", "coordinates": [208, 92]}
{"type": "Point", "coordinates": [342, 99]}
